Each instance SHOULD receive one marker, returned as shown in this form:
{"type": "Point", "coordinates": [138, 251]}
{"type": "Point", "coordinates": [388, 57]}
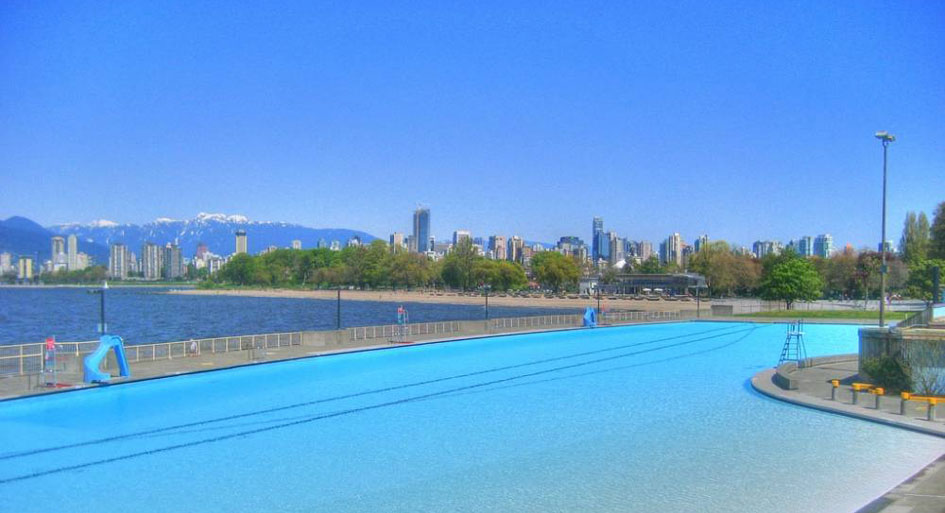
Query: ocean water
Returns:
{"type": "Point", "coordinates": [142, 315]}
{"type": "Point", "coordinates": [646, 418]}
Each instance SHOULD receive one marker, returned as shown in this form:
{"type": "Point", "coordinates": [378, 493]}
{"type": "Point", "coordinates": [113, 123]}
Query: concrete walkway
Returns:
{"type": "Point", "coordinates": [923, 492]}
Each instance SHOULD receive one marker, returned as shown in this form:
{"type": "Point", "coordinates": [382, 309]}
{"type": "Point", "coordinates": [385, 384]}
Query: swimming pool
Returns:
{"type": "Point", "coordinates": [642, 418]}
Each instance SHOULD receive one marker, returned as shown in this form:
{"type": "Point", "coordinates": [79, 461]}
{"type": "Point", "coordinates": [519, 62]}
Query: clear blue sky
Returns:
{"type": "Point", "coordinates": [743, 120]}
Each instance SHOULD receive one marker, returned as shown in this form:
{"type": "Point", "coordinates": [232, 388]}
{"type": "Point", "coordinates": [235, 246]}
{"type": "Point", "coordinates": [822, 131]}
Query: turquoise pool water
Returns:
{"type": "Point", "coordinates": [644, 418]}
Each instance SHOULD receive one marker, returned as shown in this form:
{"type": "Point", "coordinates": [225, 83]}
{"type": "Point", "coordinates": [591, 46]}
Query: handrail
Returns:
{"type": "Point", "coordinates": [919, 318]}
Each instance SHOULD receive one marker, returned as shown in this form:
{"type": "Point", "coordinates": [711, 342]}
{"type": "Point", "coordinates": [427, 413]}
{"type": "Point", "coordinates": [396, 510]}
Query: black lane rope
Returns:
{"type": "Point", "coordinates": [34, 452]}
{"type": "Point", "coordinates": [622, 367]}
{"type": "Point", "coordinates": [308, 420]}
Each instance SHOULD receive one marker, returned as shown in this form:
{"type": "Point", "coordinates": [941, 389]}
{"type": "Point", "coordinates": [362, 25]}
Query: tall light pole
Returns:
{"type": "Point", "coordinates": [886, 138]}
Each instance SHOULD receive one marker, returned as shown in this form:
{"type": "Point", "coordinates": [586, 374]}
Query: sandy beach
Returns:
{"type": "Point", "coordinates": [452, 298]}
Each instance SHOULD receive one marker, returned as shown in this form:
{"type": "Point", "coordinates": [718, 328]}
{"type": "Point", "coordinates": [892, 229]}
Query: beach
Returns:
{"type": "Point", "coordinates": [440, 297]}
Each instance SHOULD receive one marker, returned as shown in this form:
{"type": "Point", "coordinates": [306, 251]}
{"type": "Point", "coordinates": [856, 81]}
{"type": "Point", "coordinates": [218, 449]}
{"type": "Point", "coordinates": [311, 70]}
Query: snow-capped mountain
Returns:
{"type": "Point", "coordinates": [215, 230]}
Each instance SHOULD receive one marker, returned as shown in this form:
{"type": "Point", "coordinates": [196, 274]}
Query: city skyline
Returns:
{"type": "Point", "coordinates": [743, 121]}
{"type": "Point", "coordinates": [448, 233]}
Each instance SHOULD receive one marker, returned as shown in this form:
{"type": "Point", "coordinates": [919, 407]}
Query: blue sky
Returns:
{"type": "Point", "coordinates": [743, 120]}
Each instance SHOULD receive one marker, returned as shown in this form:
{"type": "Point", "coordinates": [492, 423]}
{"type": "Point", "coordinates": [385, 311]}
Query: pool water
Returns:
{"type": "Point", "coordinates": [644, 418]}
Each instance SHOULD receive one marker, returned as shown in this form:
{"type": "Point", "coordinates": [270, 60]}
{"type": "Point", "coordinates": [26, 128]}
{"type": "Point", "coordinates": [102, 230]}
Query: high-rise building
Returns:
{"type": "Point", "coordinates": [24, 267]}
{"type": "Point", "coordinates": [569, 245]}
{"type": "Point", "coordinates": [646, 250]}
{"type": "Point", "coordinates": [322, 244]}
{"type": "Point", "coordinates": [421, 229]}
{"type": "Point", "coordinates": [152, 261]}
{"type": "Point", "coordinates": [516, 246]}
{"type": "Point", "coordinates": [497, 247]}
{"type": "Point", "coordinates": [72, 252]}
{"type": "Point", "coordinates": [296, 244]}
{"type": "Point", "coordinates": [614, 247]}
{"type": "Point", "coordinates": [6, 263]}
{"type": "Point", "coordinates": [823, 245]}
{"type": "Point", "coordinates": [201, 250]}
{"type": "Point", "coordinates": [335, 245]}
{"type": "Point", "coordinates": [58, 258]}
{"type": "Point", "coordinates": [397, 241]}
{"type": "Point", "coordinates": [805, 246]}
{"type": "Point", "coordinates": [671, 250]}
{"type": "Point", "coordinates": [767, 247]}
{"type": "Point", "coordinates": [241, 246]}
{"type": "Point", "coordinates": [702, 242]}
{"type": "Point", "coordinates": [118, 261]}
{"type": "Point", "coordinates": [58, 246]}
{"type": "Point", "coordinates": [173, 263]}
{"type": "Point", "coordinates": [353, 241]}
{"type": "Point", "coordinates": [597, 239]}
{"type": "Point", "coordinates": [460, 235]}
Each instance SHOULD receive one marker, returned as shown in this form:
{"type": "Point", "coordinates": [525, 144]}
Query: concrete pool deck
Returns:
{"type": "Point", "coordinates": [924, 492]}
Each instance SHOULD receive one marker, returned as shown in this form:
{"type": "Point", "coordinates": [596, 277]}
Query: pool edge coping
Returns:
{"type": "Point", "coordinates": [335, 352]}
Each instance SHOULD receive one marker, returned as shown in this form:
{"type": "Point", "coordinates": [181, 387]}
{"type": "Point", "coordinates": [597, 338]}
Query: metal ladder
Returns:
{"type": "Point", "coordinates": [794, 350]}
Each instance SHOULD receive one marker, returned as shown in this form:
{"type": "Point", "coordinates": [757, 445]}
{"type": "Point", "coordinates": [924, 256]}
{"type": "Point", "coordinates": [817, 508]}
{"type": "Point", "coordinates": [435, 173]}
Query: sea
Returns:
{"type": "Point", "coordinates": [149, 314]}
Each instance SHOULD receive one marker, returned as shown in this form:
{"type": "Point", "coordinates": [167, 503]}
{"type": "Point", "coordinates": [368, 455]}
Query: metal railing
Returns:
{"type": "Point", "coordinates": [30, 359]}
{"type": "Point", "coordinates": [538, 321]}
{"type": "Point", "coordinates": [25, 359]}
{"type": "Point", "coordinates": [920, 318]}
{"type": "Point", "coordinates": [390, 331]}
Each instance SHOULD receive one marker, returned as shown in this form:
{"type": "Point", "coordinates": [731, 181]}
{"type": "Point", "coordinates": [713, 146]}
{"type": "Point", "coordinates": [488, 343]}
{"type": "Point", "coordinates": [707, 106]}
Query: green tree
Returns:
{"type": "Point", "coordinates": [791, 279]}
{"type": "Point", "coordinates": [459, 264]}
{"type": "Point", "coordinates": [717, 263]}
{"type": "Point", "coordinates": [937, 242]}
{"type": "Point", "coordinates": [554, 270]}
{"type": "Point", "coordinates": [509, 276]}
{"type": "Point", "coordinates": [919, 283]}
{"type": "Point", "coordinates": [408, 270]}
{"type": "Point", "coordinates": [651, 266]}
{"type": "Point", "coordinates": [240, 270]}
{"type": "Point", "coordinates": [914, 243]}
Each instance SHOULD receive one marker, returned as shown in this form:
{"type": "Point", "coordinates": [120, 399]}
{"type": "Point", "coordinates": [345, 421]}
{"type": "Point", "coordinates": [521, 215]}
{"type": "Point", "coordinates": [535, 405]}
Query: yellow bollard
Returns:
{"type": "Point", "coordinates": [932, 402]}
{"type": "Point", "coordinates": [833, 390]}
{"type": "Point", "coordinates": [904, 397]}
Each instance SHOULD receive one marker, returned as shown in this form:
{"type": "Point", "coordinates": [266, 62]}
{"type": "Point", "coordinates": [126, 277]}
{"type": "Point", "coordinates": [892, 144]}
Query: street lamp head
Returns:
{"type": "Point", "coordinates": [885, 136]}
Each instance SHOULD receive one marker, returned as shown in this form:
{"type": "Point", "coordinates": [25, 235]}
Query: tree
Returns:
{"type": "Point", "coordinates": [554, 270]}
{"type": "Point", "coordinates": [651, 266]}
{"type": "Point", "coordinates": [914, 244]}
{"type": "Point", "coordinates": [240, 270]}
{"type": "Point", "coordinates": [717, 263]}
{"type": "Point", "coordinates": [408, 270]}
{"type": "Point", "coordinates": [937, 242]}
{"type": "Point", "coordinates": [509, 276]}
{"type": "Point", "coordinates": [459, 264]}
{"type": "Point", "coordinates": [919, 284]}
{"type": "Point", "coordinates": [791, 279]}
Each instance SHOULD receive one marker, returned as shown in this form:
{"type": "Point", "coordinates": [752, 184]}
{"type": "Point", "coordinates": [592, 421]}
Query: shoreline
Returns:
{"type": "Point", "coordinates": [389, 296]}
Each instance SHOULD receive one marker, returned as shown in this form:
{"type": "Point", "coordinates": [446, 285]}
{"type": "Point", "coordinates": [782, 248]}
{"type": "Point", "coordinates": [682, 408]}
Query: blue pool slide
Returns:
{"type": "Point", "coordinates": [92, 361]}
{"type": "Point", "coordinates": [590, 318]}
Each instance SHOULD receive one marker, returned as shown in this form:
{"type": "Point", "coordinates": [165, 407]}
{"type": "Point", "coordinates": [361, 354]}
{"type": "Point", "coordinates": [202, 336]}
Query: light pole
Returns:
{"type": "Point", "coordinates": [101, 292]}
{"type": "Point", "coordinates": [886, 138]}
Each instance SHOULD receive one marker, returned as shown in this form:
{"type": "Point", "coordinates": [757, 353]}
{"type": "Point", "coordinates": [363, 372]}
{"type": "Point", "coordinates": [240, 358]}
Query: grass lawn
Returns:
{"type": "Point", "coordinates": [828, 314]}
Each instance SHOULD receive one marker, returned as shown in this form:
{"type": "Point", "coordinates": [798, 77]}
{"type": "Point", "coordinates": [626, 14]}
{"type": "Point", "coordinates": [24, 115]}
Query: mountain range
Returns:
{"type": "Point", "coordinates": [22, 236]}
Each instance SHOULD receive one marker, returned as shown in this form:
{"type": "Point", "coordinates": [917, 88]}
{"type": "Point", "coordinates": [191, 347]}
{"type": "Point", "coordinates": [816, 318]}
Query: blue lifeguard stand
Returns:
{"type": "Point", "coordinates": [794, 350]}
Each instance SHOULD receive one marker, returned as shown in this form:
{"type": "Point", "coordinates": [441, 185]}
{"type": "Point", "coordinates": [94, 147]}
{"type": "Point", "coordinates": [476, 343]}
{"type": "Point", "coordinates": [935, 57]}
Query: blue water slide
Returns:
{"type": "Point", "coordinates": [590, 318]}
{"type": "Point", "coordinates": [92, 361]}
